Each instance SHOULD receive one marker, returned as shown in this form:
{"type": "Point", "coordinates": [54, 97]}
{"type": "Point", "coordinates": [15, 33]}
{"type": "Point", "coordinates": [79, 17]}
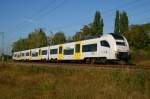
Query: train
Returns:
{"type": "Point", "coordinates": [108, 47]}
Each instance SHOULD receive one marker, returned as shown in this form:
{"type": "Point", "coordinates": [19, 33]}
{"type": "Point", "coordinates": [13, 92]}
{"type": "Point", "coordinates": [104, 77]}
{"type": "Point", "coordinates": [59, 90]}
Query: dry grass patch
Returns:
{"type": "Point", "coordinates": [32, 82]}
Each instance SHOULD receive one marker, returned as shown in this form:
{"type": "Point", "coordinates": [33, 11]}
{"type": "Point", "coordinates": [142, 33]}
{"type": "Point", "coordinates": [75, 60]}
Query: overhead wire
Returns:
{"type": "Point", "coordinates": [73, 24]}
{"type": "Point", "coordinates": [18, 26]}
{"type": "Point", "coordinates": [52, 9]}
{"type": "Point", "coordinates": [107, 12]}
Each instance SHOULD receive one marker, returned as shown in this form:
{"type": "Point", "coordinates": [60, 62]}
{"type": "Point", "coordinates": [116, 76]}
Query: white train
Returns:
{"type": "Point", "coordinates": [107, 47]}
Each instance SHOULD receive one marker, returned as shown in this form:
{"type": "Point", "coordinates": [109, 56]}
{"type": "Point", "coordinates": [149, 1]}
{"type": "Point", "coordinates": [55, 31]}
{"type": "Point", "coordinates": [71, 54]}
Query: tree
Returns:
{"type": "Point", "coordinates": [124, 22]}
{"type": "Point", "coordinates": [102, 26]}
{"type": "Point", "coordinates": [42, 38]}
{"type": "Point", "coordinates": [77, 36]}
{"type": "Point", "coordinates": [85, 30]}
{"type": "Point", "coordinates": [146, 27]}
{"type": "Point", "coordinates": [117, 22]}
{"type": "Point", "coordinates": [69, 39]}
{"type": "Point", "coordinates": [137, 37]}
{"type": "Point", "coordinates": [23, 44]}
{"type": "Point", "coordinates": [59, 38]}
{"type": "Point", "coordinates": [19, 45]}
{"type": "Point", "coordinates": [97, 25]}
{"type": "Point", "coordinates": [50, 38]}
{"type": "Point", "coordinates": [32, 38]}
{"type": "Point", "coordinates": [121, 22]}
{"type": "Point", "coordinates": [35, 39]}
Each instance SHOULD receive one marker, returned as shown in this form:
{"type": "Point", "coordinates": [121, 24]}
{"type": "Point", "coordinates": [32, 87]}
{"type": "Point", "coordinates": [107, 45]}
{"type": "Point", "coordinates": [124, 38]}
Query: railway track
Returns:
{"type": "Point", "coordinates": [83, 65]}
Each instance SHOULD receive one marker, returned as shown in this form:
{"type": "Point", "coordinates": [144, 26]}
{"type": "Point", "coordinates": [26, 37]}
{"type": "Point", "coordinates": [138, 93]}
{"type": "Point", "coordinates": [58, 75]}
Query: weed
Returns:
{"type": "Point", "coordinates": [48, 85]}
{"type": "Point", "coordinates": [138, 80]}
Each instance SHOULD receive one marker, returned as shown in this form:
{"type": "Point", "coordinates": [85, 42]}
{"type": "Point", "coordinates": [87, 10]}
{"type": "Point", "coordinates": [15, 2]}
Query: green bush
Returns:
{"type": "Point", "coordinates": [140, 55]}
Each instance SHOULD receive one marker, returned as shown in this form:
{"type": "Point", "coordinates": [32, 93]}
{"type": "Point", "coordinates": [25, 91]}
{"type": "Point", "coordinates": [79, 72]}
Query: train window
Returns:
{"type": "Point", "coordinates": [77, 48]}
{"type": "Point", "coordinates": [34, 54]}
{"type": "Point", "coordinates": [44, 52]}
{"type": "Point", "coordinates": [121, 43]}
{"type": "Point", "coordinates": [60, 50]}
{"type": "Point", "coordinates": [104, 43]}
{"type": "Point", "coordinates": [68, 51]}
{"type": "Point", "coordinates": [53, 51]}
{"type": "Point", "coordinates": [89, 48]}
{"type": "Point", "coordinates": [117, 36]}
{"type": "Point", "coordinates": [27, 54]}
{"type": "Point", "coordinates": [22, 54]}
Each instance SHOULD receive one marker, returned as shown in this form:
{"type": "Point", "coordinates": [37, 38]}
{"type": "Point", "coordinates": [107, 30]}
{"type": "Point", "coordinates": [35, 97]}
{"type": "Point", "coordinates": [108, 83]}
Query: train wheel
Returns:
{"type": "Point", "coordinates": [103, 60]}
{"type": "Point", "coordinates": [92, 60]}
{"type": "Point", "coordinates": [87, 60]}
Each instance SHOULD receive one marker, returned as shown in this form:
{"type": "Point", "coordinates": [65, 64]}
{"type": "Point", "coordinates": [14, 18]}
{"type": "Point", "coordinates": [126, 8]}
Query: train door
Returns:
{"type": "Point", "coordinates": [77, 53]}
{"type": "Point", "coordinates": [60, 52]}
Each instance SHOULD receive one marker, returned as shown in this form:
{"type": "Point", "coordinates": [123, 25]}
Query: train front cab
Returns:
{"type": "Point", "coordinates": [17, 56]}
{"type": "Point", "coordinates": [122, 47]}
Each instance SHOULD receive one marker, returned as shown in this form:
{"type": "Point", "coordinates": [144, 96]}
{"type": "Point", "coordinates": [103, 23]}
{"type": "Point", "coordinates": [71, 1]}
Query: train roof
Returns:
{"type": "Point", "coordinates": [117, 36]}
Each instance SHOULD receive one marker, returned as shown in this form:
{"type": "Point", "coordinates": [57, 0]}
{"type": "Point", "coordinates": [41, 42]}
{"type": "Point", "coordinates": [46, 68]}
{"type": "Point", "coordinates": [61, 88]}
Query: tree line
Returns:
{"type": "Point", "coordinates": [137, 35]}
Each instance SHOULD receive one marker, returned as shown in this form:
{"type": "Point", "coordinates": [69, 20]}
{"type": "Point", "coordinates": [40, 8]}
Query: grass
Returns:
{"type": "Point", "coordinates": [140, 56]}
{"type": "Point", "coordinates": [32, 82]}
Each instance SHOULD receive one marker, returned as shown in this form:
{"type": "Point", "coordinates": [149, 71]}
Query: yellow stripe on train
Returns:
{"type": "Point", "coordinates": [60, 52]}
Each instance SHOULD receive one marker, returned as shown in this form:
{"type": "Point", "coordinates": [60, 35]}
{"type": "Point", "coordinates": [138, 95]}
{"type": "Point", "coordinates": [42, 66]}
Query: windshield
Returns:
{"type": "Point", "coordinates": [117, 36]}
{"type": "Point", "coordinates": [121, 43]}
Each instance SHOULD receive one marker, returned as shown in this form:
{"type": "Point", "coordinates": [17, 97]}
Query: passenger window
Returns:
{"type": "Point", "coordinates": [34, 54]}
{"type": "Point", "coordinates": [44, 52]}
{"type": "Point", "coordinates": [89, 48]}
{"type": "Point", "coordinates": [22, 54]}
{"type": "Point", "coordinates": [27, 54]}
{"type": "Point", "coordinates": [53, 51]}
{"type": "Point", "coordinates": [68, 51]}
{"type": "Point", "coordinates": [104, 43]}
{"type": "Point", "coordinates": [60, 50]}
{"type": "Point", "coordinates": [77, 48]}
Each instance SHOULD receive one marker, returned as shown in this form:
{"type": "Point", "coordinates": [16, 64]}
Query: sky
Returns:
{"type": "Point", "coordinates": [20, 17]}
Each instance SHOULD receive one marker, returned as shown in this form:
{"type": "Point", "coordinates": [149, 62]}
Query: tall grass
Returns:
{"type": "Point", "coordinates": [32, 82]}
{"type": "Point", "coordinates": [140, 56]}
